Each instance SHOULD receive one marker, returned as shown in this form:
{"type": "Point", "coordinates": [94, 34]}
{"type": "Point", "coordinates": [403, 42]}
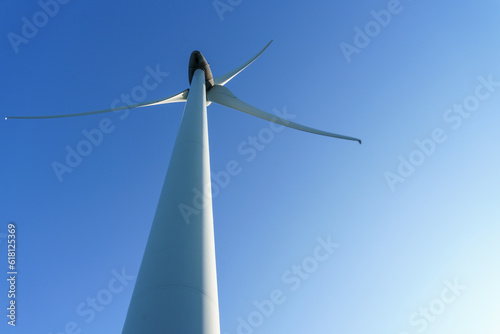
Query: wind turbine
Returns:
{"type": "Point", "coordinates": [176, 287]}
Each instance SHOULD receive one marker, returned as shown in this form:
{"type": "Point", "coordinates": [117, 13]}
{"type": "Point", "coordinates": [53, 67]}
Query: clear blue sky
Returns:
{"type": "Point", "coordinates": [413, 211]}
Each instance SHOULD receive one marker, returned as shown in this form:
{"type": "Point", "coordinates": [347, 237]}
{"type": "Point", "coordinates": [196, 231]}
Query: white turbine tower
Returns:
{"type": "Point", "coordinates": [176, 288]}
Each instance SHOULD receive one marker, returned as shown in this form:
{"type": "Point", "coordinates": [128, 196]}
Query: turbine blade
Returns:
{"type": "Point", "coordinates": [223, 96]}
{"type": "Point", "coordinates": [224, 79]}
{"type": "Point", "coordinates": [180, 97]}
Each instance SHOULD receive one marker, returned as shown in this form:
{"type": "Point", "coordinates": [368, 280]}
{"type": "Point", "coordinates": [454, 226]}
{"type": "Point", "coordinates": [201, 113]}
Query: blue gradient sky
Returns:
{"type": "Point", "coordinates": [402, 243]}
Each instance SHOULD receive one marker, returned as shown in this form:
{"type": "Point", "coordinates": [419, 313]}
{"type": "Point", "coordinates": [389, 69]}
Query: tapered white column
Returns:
{"type": "Point", "coordinates": [176, 288]}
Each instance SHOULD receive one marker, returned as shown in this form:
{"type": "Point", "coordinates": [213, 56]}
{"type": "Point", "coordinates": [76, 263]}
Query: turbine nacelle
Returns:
{"type": "Point", "coordinates": [198, 62]}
